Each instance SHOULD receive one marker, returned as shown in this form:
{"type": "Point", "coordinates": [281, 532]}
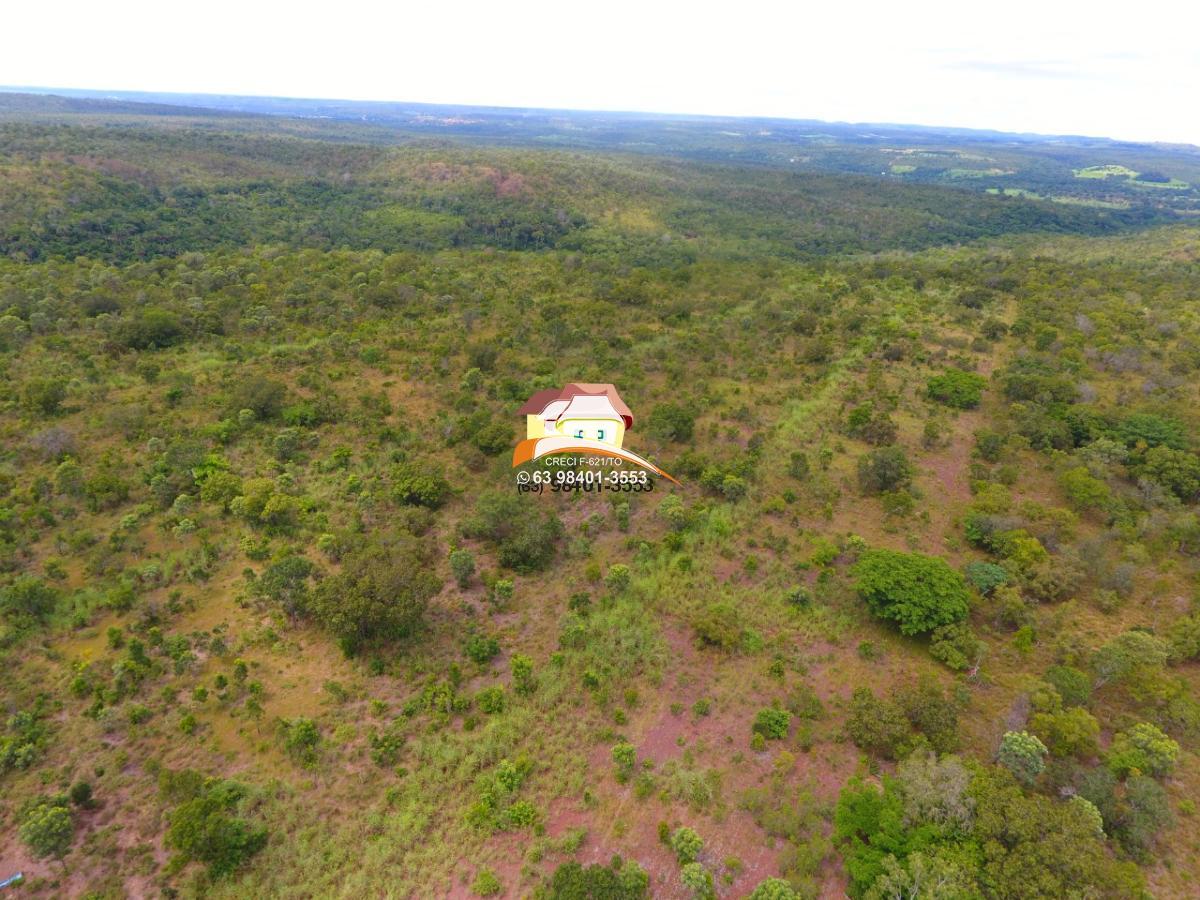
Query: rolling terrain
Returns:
{"type": "Point", "coordinates": [275, 621]}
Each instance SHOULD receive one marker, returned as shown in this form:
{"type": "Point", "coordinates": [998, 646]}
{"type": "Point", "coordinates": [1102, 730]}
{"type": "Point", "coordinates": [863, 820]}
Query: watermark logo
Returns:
{"type": "Point", "coordinates": [581, 424]}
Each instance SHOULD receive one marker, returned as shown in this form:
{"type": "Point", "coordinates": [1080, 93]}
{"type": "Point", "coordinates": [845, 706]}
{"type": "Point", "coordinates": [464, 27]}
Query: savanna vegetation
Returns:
{"type": "Point", "coordinates": [274, 621]}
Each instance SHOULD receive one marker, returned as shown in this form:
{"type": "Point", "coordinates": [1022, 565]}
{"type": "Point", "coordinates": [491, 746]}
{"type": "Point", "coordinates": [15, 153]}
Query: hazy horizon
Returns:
{"type": "Point", "coordinates": [133, 95]}
{"type": "Point", "coordinates": [1036, 69]}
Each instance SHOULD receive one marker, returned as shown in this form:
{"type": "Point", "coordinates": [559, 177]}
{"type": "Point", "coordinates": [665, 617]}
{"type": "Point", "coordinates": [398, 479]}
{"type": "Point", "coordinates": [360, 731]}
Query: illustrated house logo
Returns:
{"type": "Point", "coordinates": [579, 418]}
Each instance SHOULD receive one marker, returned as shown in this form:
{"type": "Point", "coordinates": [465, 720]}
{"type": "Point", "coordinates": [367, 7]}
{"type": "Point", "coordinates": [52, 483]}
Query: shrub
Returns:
{"type": "Point", "coordinates": [671, 422]}
{"type": "Point", "coordinates": [1023, 755]}
{"type": "Point", "coordinates": [956, 645]}
{"type": "Point", "coordinates": [417, 485]}
{"type": "Point", "coordinates": [698, 880]}
{"type": "Point", "coordinates": [1068, 732]}
{"type": "Point", "coordinates": [617, 881]}
{"type": "Point", "coordinates": [1175, 470]}
{"type": "Point", "coordinates": [1074, 686]}
{"type": "Point", "coordinates": [300, 738]}
{"type": "Point", "coordinates": [150, 329]}
{"type": "Point", "coordinates": [481, 648]}
{"type": "Point", "coordinates": [618, 578]}
{"type": "Point", "coordinates": [260, 395]}
{"type": "Point", "coordinates": [956, 388]}
{"type": "Point", "coordinates": [686, 844]}
{"type": "Point", "coordinates": [985, 577]}
{"type": "Point", "coordinates": [719, 625]}
{"type": "Point", "coordinates": [462, 566]}
{"type": "Point", "coordinates": [44, 395]}
{"type": "Point", "coordinates": [486, 884]}
{"type": "Point", "coordinates": [918, 592]}
{"type": "Point", "coordinates": [28, 601]}
{"type": "Point", "coordinates": [525, 536]}
{"type": "Point", "coordinates": [774, 889]}
{"type": "Point", "coordinates": [1083, 490]}
{"type": "Point", "coordinates": [772, 724]}
{"type": "Point", "coordinates": [883, 470]}
{"type": "Point", "coordinates": [522, 674]}
{"type": "Point", "coordinates": [877, 726]}
{"type": "Point", "coordinates": [931, 711]}
{"type": "Point", "coordinates": [624, 757]}
{"type": "Point", "coordinates": [491, 700]}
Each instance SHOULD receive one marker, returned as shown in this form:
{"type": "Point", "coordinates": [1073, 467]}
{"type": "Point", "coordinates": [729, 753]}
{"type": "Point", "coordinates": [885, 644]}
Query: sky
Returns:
{"type": "Point", "coordinates": [1129, 71]}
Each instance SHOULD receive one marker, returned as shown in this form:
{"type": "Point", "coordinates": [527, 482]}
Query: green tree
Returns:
{"type": "Point", "coordinates": [379, 595]}
{"type": "Point", "coordinates": [1023, 755]}
{"type": "Point", "coordinates": [1143, 749]}
{"type": "Point", "coordinates": [47, 827]}
{"type": "Point", "coordinates": [884, 469]}
{"type": "Point", "coordinates": [918, 592]}
{"type": "Point", "coordinates": [204, 828]}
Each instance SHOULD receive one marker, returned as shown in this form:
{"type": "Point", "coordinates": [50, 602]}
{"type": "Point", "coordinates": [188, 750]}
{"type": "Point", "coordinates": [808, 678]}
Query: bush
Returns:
{"type": "Point", "coordinates": [1074, 686]}
{"type": "Point", "coordinates": [671, 422]}
{"type": "Point", "coordinates": [44, 395]}
{"type": "Point", "coordinates": [617, 881]}
{"type": "Point", "coordinates": [877, 726]}
{"type": "Point", "coordinates": [772, 724]}
{"type": "Point", "coordinates": [300, 738]}
{"type": "Point", "coordinates": [522, 674]}
{"type": "Point", "coordinates": [956, 388]}
{"type": "Point", "coordinates": [525, 535]}
{"type": "Point", "coordinates": [491, 700]}
{"type": "Point", "coordinates": [617, 578]}
{"type": "Point", "coordinates": [883, 470]}
{"type": "Point", "coordinates": [150, 329]}
{"type": "Point", "coordinates": [418, 485]}
{"type": "Point", "coordinates": [774, 889]}
{"type": "Point", "coordinates": [1068, 732]}
{"type": "Point", "coordinates": [482, 648]}
{"type": "Point", "coordinates": [918, 592]}
{"type": "Point", "coordinates": [486, 884]}
{"type": "Point", "coordinates": [462, 566]}
{"type": "Point", "coordinates": [956, 645]}
{"type": "Point", "coordinates": [260, 395]}
{"type": "Point", "coordinates": [719, 625]}
{"type": "Point", "coordinates": [686, 844]}
{"type": "Point", "coordinates": [624, 757]}
{"type": "Point", "coordinates": [698, 880]}
{"type": "Point", "coordinates": [985, 577]}
{"type": "Point", "coordinates": [203, 827]}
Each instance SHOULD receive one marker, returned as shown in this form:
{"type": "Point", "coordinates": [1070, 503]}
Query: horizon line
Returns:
{"type": "Point", "coordinates": [113, 94]}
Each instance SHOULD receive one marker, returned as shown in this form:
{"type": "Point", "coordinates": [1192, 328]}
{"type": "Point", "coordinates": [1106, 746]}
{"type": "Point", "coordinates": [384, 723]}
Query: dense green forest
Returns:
{"type": "Point", "coordinates": [921, 619]}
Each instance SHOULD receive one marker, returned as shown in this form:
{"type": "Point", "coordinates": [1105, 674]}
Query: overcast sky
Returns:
{"type": "Point", "coordinates": [1130, 71]}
